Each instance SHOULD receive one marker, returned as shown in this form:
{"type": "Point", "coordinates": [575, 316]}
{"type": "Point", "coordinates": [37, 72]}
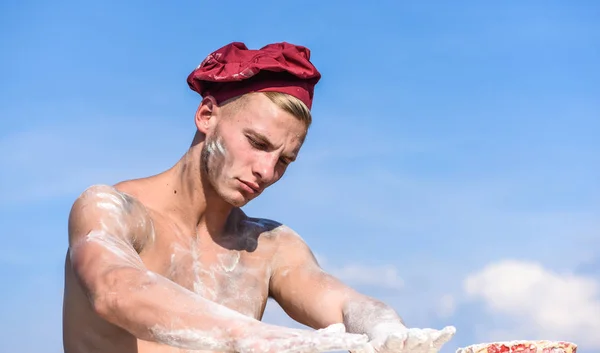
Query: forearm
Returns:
{"type": "Point", "coordinates": [363, 314]}
{"type": "Point", "coordinates": [154, 308]}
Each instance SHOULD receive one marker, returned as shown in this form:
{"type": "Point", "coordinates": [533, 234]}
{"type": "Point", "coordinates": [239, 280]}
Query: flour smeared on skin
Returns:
{"type": "Point", "coordinates": [229, 262]}
{"type": "Point", "coordinates": [362, 315]}
{"type": "Point", "coordinates": [216, 146]}
{"type": "Point", "coordinates": [387, 332]}
{"type": "Point", "coordinates": [115, 225]}
{"type": "Point", "coordinates": [114, 216]}
{"type": "Point", "coordinates": [408, 340]}
{"type": "Point", "coordinates": [109, 206]}
{"type": "Point", "coordinates": [280, 341]}
{"type": "Point", "coordinates": [223, 276]}
{"type": "Point", "coordinates": [111, 233]}
{"type": "Point", "coordinates": [192, 339]}
{"type": "Point", "coordinates": [117, 207]}
{"type": "Point", "coordinates": [115, 245]}
{"type": "Point", "coordinates": [229, 280]}
{"type": "Point", "coordinates": [114, 197]}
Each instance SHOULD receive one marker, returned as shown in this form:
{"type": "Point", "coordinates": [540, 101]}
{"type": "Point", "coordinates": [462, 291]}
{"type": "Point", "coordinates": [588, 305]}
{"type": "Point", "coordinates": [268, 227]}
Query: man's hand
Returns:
{"type": "Point", "coordinates": [275, 339]}
{"type": "Point", "coordinates": [396, 338]}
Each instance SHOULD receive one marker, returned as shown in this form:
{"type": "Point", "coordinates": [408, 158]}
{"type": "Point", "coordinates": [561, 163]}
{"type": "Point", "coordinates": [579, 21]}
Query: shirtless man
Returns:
{"type": "Point", "coordinates": [170, 263]}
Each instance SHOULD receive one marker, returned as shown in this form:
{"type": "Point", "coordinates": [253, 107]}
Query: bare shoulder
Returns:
{"type": "Point", "coordinates": [273, 231]}
{"type": "Point", "coordinates": [106, 208]}
{"type": "Point", "coordinates": [286, 244]}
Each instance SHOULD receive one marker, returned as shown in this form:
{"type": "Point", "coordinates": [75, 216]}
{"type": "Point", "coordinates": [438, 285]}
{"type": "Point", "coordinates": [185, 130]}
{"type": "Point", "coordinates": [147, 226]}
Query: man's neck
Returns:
{"type": "Point", "coordinates": [188, 198]}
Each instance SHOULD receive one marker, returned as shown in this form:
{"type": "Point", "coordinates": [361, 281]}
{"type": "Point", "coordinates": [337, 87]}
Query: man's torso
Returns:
{"type": "Point", "coordinates": [232, 269]}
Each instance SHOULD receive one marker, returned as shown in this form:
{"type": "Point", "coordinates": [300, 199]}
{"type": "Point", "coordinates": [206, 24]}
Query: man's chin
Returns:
{"type": "Point", "coordinates": [238, 200]}
{"type": "Point", "coordinates": [238, 203]}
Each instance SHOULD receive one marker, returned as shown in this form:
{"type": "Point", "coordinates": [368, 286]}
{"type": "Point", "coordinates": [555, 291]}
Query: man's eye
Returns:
{"type": "Point", "coordinates": [284, 162]}
{"type": "Point", "coordinates": [256, 144]}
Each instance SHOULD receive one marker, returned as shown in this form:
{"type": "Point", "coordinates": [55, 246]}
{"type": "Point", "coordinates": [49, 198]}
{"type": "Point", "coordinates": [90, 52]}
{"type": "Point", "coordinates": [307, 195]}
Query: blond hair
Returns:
{"type": "Point", "coordinates": [285, 102]}
{"type": "Point", "coordinates": [292, 105]}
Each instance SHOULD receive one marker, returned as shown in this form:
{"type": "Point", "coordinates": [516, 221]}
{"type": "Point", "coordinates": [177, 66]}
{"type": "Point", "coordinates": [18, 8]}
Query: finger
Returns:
{"type": "Point", "coordinates": [418, 341]}
{"type": "Point", "coordinates": [437, 338]}
{"type": "Point", "coordinates": [434, 336]}
{"type": "Point", "coordinates": [395, 342]}
{"type": "Point", "coordinates": [446, 335]}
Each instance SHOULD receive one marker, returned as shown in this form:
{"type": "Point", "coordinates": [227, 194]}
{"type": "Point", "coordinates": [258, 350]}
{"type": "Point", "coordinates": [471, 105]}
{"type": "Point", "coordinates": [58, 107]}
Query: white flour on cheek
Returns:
{"type": "Point", "coordinates": [216, 146]}
{"type": "Point", "coordinates": [219, 147]}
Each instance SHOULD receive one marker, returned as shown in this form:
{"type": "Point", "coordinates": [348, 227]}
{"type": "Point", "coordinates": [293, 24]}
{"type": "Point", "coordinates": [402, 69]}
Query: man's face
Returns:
{"type": "Point", "coordinates": [248, 148]}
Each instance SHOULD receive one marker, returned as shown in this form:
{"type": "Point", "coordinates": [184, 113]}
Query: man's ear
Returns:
{"type": "Point", "coordinates": [205, 114]}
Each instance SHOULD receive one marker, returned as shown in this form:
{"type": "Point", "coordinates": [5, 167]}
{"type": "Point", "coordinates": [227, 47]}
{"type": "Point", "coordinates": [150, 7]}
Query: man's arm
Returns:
{"type": "Point", "coordinates": [105, 230]}
{"type": "Point", "coordinates": [317, 299]}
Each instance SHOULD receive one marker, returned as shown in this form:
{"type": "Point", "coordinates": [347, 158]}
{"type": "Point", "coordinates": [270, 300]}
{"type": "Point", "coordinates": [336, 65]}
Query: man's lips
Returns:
{"type": "Point", "coordinates": [250, 187]}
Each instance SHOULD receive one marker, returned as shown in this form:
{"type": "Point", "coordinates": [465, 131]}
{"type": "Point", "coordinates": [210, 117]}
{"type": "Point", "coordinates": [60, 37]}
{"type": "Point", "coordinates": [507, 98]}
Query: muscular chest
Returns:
{"type": "Point", "coordinates": [234, 278]}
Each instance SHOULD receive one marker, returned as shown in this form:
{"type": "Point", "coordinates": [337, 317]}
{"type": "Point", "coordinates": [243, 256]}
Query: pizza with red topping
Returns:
{"type": "Point", "coordinates": [521, 347]}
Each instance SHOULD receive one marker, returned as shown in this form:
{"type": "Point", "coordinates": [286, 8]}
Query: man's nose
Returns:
{"type": "Point", "coordinates": [264, 168]}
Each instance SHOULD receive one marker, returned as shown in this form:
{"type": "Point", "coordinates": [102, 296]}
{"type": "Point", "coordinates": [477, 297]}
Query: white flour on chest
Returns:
{"type": "Point", "coordinates": [222, 278]}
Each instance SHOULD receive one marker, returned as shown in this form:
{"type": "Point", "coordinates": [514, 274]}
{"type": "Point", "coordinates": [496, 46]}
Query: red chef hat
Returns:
{"type": "Point", "coordinates": [234, 70]}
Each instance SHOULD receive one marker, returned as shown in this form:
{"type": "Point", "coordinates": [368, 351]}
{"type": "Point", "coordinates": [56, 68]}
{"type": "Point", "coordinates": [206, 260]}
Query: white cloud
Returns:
{"type": "Point", "coordinates": [542, 304]}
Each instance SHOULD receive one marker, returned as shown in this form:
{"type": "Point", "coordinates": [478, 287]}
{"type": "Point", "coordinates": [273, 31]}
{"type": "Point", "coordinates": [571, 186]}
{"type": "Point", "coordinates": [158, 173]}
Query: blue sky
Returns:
{"type": "Point", "coordinates": [452, 168]}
